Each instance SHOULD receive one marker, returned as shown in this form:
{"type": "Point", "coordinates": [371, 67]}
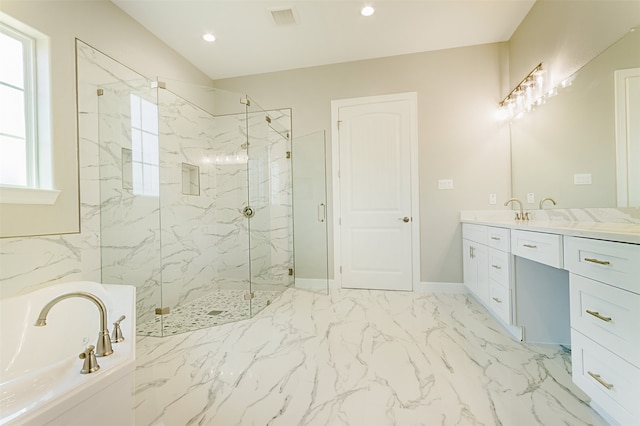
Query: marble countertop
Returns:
{"type": "Point", "coordinates": [626, 232]}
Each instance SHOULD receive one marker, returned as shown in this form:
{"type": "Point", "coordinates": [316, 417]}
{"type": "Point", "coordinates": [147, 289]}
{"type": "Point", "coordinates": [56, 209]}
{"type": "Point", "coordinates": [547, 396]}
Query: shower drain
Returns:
{"type": "Point", "coordinates": [215, 312]}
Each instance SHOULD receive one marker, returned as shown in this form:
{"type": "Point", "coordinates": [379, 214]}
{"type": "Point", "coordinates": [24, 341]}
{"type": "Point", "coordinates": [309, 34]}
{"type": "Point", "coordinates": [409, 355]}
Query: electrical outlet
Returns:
{"type": "Point", "coordinates": [492, 198]}
{"type": "Point", "coordinates": [531, 198]}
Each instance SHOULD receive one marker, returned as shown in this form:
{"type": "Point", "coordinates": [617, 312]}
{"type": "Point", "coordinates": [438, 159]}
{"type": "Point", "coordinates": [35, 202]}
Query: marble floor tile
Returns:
{"type": "Point", "coordinates": [357, 357]}
{"type": "Point", "coordinates": [218, 307]}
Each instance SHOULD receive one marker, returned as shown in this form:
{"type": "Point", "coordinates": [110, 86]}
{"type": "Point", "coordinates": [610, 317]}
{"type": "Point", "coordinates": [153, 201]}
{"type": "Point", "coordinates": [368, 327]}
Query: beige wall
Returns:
{"type": "Point", "coordinates": [459, 137]}
{"type": "Point", "coordinates": [101, 24]}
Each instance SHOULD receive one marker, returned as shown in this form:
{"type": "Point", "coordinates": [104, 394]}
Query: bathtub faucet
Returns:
{"type": "Point", "coordinates": [104, 341]}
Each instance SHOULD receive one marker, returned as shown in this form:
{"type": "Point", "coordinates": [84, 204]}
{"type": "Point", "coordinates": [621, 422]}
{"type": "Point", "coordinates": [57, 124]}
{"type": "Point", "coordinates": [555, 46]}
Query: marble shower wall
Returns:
{"type": "Point", "coordinates": [207, 171]}
{"type": "Point", "coordinates": [202, 225]}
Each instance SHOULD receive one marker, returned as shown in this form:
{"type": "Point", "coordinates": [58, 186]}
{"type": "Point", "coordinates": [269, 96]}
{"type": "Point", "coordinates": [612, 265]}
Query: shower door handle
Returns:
{"type": "Point", "coordinates": [248, 212]}
{"type": "Point", "coordinates": [322, 213]}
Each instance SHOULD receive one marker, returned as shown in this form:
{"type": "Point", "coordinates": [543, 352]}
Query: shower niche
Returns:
{"type": "Point", "coordinates": [177, 164]}
{"type": "Point", "coordinates": [190, 179]}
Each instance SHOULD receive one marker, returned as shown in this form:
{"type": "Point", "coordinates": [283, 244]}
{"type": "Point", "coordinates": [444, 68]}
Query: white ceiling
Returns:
{"type": "Point", "coordinates": [325, 32]}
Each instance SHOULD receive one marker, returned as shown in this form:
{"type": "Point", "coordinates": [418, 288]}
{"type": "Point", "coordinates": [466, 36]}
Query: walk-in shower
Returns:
{"type": "Point", "coordinates": [195, 197]}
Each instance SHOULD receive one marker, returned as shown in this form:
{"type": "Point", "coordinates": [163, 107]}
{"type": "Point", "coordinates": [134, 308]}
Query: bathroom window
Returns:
{"type": "Point", "coordinates": [145, 173]}
{"type": "Point", "coordinates": [25, 115]}
{"type": "Point", "coordinates": [18, 136]}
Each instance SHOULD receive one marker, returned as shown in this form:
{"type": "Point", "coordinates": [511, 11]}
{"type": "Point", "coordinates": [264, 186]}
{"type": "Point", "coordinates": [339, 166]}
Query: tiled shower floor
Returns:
{"type": "Point", "coordinates": [219, 307]}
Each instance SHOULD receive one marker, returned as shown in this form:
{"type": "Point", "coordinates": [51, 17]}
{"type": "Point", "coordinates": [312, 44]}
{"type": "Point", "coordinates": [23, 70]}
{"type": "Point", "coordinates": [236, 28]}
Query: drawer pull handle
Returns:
{"type": "Point", "coordinates": [597, 315]}
{"type": "Point", "coordinates": [497, 300]}
{"type": "Point", "coordinates": [599, 380]}
{"type": "Point", "coordinates": [496, 238]}
{"type": "Point", "coordinates": [599, 262]}
{"type": "Point", "coordinates": [496, 267]}
{"type": "Point", "coordinates": [530, 246]}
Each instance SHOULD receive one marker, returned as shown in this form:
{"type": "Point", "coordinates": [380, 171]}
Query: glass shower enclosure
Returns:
{"type": "Point", "coordinates": [195, 198]}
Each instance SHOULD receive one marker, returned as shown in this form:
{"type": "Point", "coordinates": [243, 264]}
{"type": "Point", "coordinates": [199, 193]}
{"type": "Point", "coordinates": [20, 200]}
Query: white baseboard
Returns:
{"type": "Point", "coordinates": [431, 287]}
{"type": "Point", "coordinates": [315, 284]}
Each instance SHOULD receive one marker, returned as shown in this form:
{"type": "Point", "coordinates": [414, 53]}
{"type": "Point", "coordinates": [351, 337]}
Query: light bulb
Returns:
{"type": "Point", "coordinates": [209, 37]}
{"type": "Point", "coordinates": [367, 11]}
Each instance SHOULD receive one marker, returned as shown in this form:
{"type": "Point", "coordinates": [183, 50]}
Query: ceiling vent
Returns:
{"type": "Point", "coordinates": [283, 16]}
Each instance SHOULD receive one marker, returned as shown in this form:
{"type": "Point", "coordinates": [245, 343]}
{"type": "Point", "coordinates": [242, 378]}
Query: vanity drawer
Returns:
{"type": "Point", "coordinates": [499, 267]}
{"type": "Point", "coordinates": [477, 233]}
{"type": "Point", "coordinates": [610, 381]}
{"type": "Point", "coordinates": [538, 246]}
{"type": "Point", "coordinates": [613, 263]}
{"type": "Point", "coordinates": [498, 238]}
{"type": "Point", "coordinates": [608, 315]}
{"type": "Point", "coordinates": [500, 301]}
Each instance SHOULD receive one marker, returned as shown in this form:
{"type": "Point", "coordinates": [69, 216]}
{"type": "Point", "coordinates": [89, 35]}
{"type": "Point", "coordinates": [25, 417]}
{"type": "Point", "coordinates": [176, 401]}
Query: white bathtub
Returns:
{"type": "Point", "coordinates": [40, 380]}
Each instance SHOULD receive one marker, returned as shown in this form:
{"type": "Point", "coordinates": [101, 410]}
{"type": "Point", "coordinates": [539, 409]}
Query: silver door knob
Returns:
{"type": "Point", "coordinates": [405, 219]}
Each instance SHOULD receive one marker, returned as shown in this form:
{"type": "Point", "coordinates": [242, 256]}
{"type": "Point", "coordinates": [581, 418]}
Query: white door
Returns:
{"type": "Point", "coordinates": [376, 210]}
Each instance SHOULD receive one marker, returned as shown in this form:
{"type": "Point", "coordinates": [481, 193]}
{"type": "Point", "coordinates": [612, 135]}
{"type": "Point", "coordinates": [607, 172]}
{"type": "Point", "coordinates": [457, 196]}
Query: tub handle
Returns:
{"type": "Point", "coordinates": [116, 336]}
{"type": "Point", "coordinates": [90, 362]}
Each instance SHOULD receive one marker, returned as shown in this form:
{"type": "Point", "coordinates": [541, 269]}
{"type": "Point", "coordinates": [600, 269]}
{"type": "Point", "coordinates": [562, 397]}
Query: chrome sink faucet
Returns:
{"type": "Point", "coordinates": [104, 341]}
{"type": "Point", "coordinates": [519, 215]}
{"type": "Point", "coordinates": [546, 199]}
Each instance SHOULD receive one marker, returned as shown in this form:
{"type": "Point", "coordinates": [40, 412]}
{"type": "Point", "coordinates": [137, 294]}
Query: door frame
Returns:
{"type": "Point", "coordinates": [412, 98]}
{"type": "Point", "coordinates": [622, 137]}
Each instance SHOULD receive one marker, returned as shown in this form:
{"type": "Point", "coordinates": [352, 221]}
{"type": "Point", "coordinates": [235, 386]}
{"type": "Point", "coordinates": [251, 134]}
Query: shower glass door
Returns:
{"type": "Point", "coordinates": [269, 198]}
{"type": "Point", "coordinates": [310, 212]}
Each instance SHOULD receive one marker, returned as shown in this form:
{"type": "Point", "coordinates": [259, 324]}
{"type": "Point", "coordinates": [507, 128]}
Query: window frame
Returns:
{"type": "Point", "coordinates": [30, 97]}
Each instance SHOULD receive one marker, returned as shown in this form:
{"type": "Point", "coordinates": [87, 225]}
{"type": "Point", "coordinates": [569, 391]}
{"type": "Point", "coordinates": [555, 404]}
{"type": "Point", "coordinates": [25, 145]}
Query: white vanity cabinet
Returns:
{"type": "Point", "coordinates": [605, 323]}
{"type": "Point", "coordinates": [567, 283]}
{"type": "Point", "coordinates": [476, 274]}
{"type": "Point", "coordinates": [487, 267]}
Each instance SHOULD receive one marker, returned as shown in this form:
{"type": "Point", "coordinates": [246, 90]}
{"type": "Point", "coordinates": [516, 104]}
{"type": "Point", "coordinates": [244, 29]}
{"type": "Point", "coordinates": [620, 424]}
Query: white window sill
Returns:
{"type": "Point", "coordinates": [17, 195]}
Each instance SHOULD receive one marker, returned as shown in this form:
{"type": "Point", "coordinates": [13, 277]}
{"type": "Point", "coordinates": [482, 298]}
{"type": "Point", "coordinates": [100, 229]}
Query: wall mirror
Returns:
{"type": "Point", "coordinates": [582, 147]}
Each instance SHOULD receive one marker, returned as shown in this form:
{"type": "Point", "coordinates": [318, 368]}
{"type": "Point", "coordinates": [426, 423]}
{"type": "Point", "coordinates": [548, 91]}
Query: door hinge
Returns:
{"type": "Point", "coordinates": [338, 123]}
{"type": "Point", "coordinates": [287, 154]}
{"type": "Point", "coordinates": [248, 296]}
{"type": "Point", "coordinates": [100, 92]}
{"type": "Point", "coordinates": [268, 119]}
{"type": "Point", "coordinates": [290, 271]}
{"type": "Point", "coordinates": [165, 310]}
{"type": "Point", "coordinates": [245, 101]}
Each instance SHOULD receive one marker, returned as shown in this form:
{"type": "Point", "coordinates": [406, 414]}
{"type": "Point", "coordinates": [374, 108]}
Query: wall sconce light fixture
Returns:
{"type": "Point", "coordinates": [525, 96]}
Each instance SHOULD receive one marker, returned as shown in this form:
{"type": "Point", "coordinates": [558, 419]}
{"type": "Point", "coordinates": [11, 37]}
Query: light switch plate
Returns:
{"type": "Point", "coordinates": [582, 179]}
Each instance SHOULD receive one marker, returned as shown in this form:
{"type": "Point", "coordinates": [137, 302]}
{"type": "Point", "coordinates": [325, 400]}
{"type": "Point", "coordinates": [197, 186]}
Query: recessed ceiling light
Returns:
{"type": "Point", "coordinates": [367, 11]}
{"type": "Point", "coordinates": [209, 37]}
